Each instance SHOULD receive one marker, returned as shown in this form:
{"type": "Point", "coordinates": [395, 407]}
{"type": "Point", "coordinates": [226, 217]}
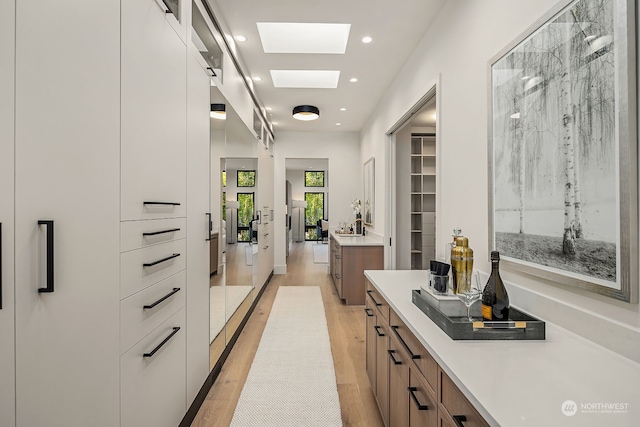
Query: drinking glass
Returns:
{"type": "Point", "coordinates": [471, 295]}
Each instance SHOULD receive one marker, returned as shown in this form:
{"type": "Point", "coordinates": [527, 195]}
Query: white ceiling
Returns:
{"type": "Point", "coordinates": [395, 26]}
{"type": "Point", "coordinates": [307, 164]}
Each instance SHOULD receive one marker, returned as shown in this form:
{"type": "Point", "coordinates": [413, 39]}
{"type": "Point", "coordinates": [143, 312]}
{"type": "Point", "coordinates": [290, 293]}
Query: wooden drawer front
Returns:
{"type": "Point", "coordinates": [423, 405]}
{"type": "Point", "coordinates": [153, 389]}
{"type": "Point", "coordinates": [377, 301]}
{"type": "Point", "coordinates": [371, 345]}
{"type": "Point", "coordinates": [135, 276]}
{"type": "Point", "coordinates": [421, 357]}
{"type": "Point", "coordinates": [382, 370]}
{"type": "Point", "coordinates": [140, 234]}
{"type": "Point", "coordinates": [162, 300]}
{"type": "Point", "coordinates": [456, 405]}
{"type": "Point", "coordinates": [398, 385]}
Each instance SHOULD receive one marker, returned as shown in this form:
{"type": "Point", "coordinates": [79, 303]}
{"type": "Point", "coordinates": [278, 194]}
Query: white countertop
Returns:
{"type": "Point", "coordinates": [366, 240]}
{"type": "Point", "coordinates": [524, 383]}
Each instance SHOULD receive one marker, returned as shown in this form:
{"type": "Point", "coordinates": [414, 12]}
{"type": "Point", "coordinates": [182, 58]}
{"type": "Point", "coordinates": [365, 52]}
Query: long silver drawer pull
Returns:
{"type": "Point", "coordinates": [151, 264]}
{"type": "Point", "coordinates": [404, 344]}
{"type": "Point", "coordinates": [159, 346]}
{"type": "Point", "coordinates": [49, 287]}
{"type": "Point", "coordinates": [155, 233]}
{"type": "Point", "coordinates": [421, 407]}
{"type": "Point", "coordinates": [175, 290]}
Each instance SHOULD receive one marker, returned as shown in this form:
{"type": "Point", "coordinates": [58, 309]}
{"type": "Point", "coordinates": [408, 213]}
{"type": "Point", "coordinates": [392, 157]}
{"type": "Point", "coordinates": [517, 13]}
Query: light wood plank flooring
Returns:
{"type": "Point", "coordinates": [347, 334]}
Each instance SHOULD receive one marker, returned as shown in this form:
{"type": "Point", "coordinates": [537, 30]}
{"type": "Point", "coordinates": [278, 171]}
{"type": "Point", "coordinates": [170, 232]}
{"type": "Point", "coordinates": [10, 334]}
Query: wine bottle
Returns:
{"type": "Point", "coordinates": [495, 301]}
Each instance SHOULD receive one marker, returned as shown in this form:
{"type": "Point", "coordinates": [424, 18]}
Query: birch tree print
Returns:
{"type": "Point", "coordinates": [554, 144]}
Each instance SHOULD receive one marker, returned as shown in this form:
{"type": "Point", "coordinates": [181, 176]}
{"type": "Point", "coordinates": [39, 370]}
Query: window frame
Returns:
{"type": "Point", "coordinates": [315, 186]}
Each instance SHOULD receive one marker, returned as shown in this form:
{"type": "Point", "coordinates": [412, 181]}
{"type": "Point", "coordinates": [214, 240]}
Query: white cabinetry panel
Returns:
{"type": "Point", "coordinates": [153, 388]}
{"type": "Point", "coordinates": [136, 321]}
{"type": "Point", "coordinates": [161, 262]}
{"type": "Point", "coordinates": [7, 360]}
{"type": "Point", "coordinates": [198, 142]}
{"type": "Point", "coordinates": [153, 114]}
{"type": "Point", "coordinates": [67, 170]}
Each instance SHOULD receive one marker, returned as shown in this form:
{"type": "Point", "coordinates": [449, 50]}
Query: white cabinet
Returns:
{"type": "Point", "coordinates": [153, 114]}
{"type": "Point", "coordinates": [153, 377]}
{"type": "Point", "coordinates": [7, 361]}
{"type": "Point", "coordinates": [198, 261]}
{"type": "Point", "coordinates": [67, 156]}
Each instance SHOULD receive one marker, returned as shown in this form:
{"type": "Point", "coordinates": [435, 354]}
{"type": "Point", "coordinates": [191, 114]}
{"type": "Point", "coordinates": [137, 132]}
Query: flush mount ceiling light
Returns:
{"type": "Point", "coordinates": [306, 112]}
{"type": "Point", "coordinates": [218, 111]}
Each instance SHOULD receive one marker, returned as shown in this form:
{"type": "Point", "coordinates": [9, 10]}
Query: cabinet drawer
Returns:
{"type": "Point", "coordinates": [457, 405]}
{"type": "Point", "coordinates": [153, 389]}
{"type": "Point", "coordinates": [162, 300]}
{"type": "Point", "coordinates": [140, 234]}
{"type": "Point", "coordinates": [421, 357]}
{"type": "Point", "coordinates": [423, 405]}
{"type": "Point", "coordinates": [142, 268]}
{"type": "Point", "coordinates": [377, 301]}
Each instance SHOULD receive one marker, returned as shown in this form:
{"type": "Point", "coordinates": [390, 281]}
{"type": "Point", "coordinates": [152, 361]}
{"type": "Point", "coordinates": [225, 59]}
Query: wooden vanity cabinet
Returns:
{"type": "Point", "coordinates": [410, 387]}
{"type": "Point", "coordinates": [347, 264]}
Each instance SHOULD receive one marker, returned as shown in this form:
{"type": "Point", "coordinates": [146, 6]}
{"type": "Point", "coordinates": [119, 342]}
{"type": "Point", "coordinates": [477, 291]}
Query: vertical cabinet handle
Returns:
{"type": "Point", "coordinates": [208, 214]}
{"type": "Point", "coordinates": [458, 419]}
{"type": "Point", "coordinates": [421, 407]}
{"type": "Point", "coordinates": [49, 225]}
{"type": "Point", "coordinates": [393, 358]}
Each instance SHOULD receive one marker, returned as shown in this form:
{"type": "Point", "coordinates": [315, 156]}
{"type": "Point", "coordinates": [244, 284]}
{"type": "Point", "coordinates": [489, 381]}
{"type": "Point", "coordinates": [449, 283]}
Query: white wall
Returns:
{"type": "Point", "coordinates": [345, 176]}
{"type": "Point", "coordinates": [456, 49]}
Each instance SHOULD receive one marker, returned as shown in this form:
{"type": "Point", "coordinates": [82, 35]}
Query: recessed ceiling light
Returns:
{"type": "Point", "coordinates": [274, 123]}
{"type": "Point", "coordinates": [241, 38]}
{"type": "Point", "coordinates": [257, 79]}
{"type": "Point", "coordinates": [316, 79]}
{"type": "Point", "coordinates": [367, 39]}
{"type": "Point", "coordinates": [268, 108]}
{"type": "Point", "coordinates": [338, 124]}
{"type": "Point", "coordinates": [292, 37]}
{"type": "Point", "coordinates": [353, 80]}
{"type": "Point", "coordinates": [343, 109]}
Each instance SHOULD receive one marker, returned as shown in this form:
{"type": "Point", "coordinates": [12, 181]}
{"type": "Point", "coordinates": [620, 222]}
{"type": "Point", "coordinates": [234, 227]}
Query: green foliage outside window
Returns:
{"type": "Point", "coordinates": [224, 205]}
{"type": "Point", "coordinates": [314, 179]}
{"type": "Point", "coordinates": [315, 207]}
{"type": "Point", "coordinates": [245, 209]}
{"type": "Point", "coordinates": [246, 178]}
{"type": "Point", "coordinates": [224, 178]}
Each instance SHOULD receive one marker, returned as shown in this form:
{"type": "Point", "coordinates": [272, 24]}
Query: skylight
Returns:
{"type": "Point", "coordinates": [291, 37]}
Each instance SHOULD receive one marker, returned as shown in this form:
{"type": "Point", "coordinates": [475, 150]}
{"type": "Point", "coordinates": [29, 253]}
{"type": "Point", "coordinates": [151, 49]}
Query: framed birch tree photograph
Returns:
{"type": "Point", "coordinates": [563, 168]}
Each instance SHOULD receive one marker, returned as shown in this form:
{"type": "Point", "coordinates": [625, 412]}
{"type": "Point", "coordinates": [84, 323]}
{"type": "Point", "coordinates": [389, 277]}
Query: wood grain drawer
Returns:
{"type": "Point", "coordinates": [140, 234]}
{"type": "Point", "coordinates": [377, 301]}
{"type": "Point", "coordinates": [142, 268]}
{"type": "Point", "coordinates": [153, 389]}
{"type": "Point", "coordinates": [454, 404]}
{"type": "Point", "coordinates": [421, 357]}
{"type": "Point", "coordinates": [162, 301]}
{"type": "Point", "coordinates": [423, 404]}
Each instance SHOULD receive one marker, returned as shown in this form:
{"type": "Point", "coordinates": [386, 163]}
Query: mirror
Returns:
{"type": "Point", "coordinates": [234, 176]}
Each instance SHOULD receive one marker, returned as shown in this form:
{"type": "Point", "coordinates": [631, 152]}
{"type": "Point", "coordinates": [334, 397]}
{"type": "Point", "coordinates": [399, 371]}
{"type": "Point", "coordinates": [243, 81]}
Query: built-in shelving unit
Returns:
{"type": "Point", "coordinates": [423, 199]}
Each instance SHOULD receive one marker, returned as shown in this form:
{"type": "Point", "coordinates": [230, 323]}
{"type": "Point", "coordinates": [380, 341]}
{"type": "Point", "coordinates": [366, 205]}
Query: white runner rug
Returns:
{"type": "Point", "coordinates": [292, 381]}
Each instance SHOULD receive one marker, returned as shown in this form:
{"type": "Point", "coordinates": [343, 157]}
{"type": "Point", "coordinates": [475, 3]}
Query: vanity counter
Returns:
{"type": "Point", "coordinates": [366, 240]}
{"type": "Point", "coordinates": [523, 383]}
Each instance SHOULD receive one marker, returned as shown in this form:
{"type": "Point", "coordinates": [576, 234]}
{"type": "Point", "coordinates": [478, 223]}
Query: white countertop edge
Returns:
{"type": "Point", "coordinates": [366, 240]}
{"type": "Point", "coordinates": [555, 337]}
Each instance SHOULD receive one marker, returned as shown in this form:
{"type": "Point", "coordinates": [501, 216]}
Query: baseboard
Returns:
{"type": "Point", "coordinates": [280, 269]}
{"type": "Point", "coordinates": [213, 375]}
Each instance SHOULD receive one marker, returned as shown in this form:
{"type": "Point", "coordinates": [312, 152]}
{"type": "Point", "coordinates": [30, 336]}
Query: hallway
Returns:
{"type": "Point", "coordinates": [346, 326]}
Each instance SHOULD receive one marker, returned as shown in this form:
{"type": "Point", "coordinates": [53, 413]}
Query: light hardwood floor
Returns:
{"type": "Point", "coordinates": [347, 334]}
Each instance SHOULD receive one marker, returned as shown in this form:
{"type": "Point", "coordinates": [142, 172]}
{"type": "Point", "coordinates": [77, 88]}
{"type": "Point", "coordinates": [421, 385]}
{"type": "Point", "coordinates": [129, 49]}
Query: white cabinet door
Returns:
{"type": "Point", "coordinates": [7, 361]}
{"type": "Point", "coordinates": [67, 154]}
{"type": "Point", "coordinates": [153, 114]}
{"type": "Point", "coordinates": [198, 125]}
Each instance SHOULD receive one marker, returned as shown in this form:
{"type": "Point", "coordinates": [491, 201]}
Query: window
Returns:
{"type": "Point", "coordinates": [313, 212]}
{"type": "Point", "coordinates": [246, 178]}
{"type": "Point", "coordinates": [245, 216]}
{"type": "Point", "coordinates": [224, 178]}
{"type": "Point", "coordinates": [224, 205]}
{"type": "Point", "coordinates": [314, 178]}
